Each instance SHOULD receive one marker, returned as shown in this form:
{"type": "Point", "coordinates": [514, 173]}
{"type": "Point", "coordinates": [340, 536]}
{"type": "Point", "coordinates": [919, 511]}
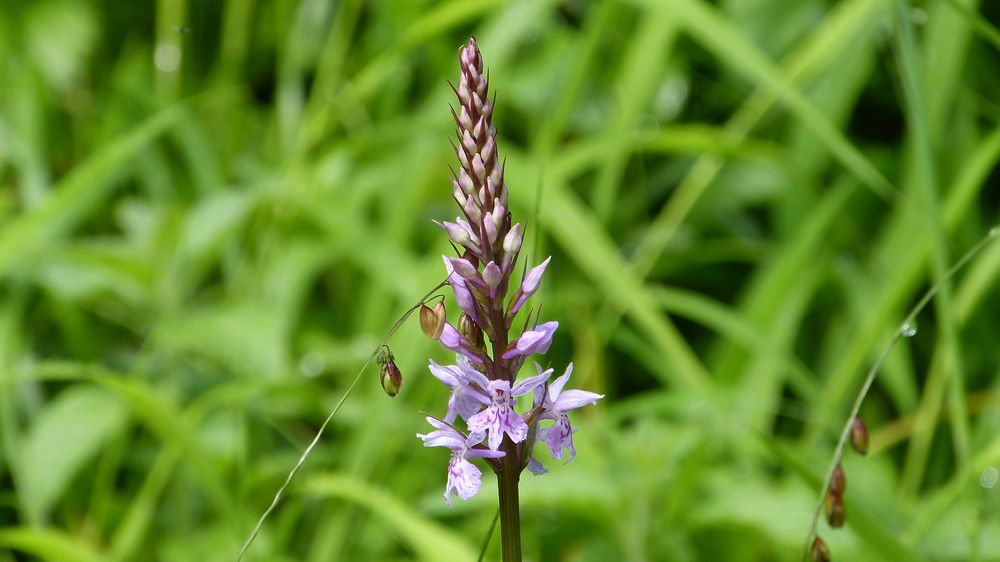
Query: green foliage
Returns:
{"type": "Point", "coordinates": [211, 211]}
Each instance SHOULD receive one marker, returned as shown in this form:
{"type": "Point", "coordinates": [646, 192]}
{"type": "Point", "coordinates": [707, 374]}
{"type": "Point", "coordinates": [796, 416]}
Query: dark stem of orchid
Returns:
{"type": "Point", "coordinates": [510, 506]}
{"type": "Point", "coordinates": [509, 474]}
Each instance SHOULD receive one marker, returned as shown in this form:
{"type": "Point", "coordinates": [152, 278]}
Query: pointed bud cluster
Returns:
{"type": "Point", "coordinates": [389, 374]}
{"type": "Point", "coordinates": [478, 187]}
{"type": "Point", "coordinates": [859, 436]}
{"type": "Point", "coordinates": [432, 320]}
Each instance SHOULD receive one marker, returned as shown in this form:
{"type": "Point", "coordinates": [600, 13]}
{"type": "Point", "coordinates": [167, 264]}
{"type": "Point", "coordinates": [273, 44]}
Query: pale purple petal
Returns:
{"type": "Point", "coordinates": [563, 401]}
{"type": "Point", "coordinates": [530, 283]}
{"type": "Point", "coordinates": [536, 467]}
{"type": "Point", "coordinates": [451, 375]}
{"type": "Point", "coordinates": [572, 399]}
{"type": "Point", "coordinates": [483, 454]}
{"type": "Point", "coordinates": [557, 385]}
{"type": "Point", "coordinates": [527, 385]}
{"type": "Point", "coordinates": [560, 437]}
{"type": "Point", "coordinates": [451, 339]}
{"type": "Point", "coordinates": [537, 340]}
{"type": "Point", "coordinates": [534, 277]}
{"type": "Point", "coordinates": [463, 296]}
{"type": "Point", "coordinates": [475, 377]}
{"type": "Point", "coordinates": [465, 400]}
{"type": "Point", "coordinates": [463, 477]}
{"type": "Point", "coordinates": [443, 436]}
{"type": "Point", "coordinates": [460, 266]}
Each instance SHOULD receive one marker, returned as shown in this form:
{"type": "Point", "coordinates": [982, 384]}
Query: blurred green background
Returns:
{"type": "Point", "coordinates": [211, 211]}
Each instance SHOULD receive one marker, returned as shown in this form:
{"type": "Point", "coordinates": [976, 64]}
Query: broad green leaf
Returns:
{"type": "Point", "coordinates": [47, 544]}
{"type": "Point", "coordinates": [63, 439]}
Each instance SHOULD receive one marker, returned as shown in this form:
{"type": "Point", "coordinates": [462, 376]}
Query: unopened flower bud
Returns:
{"type": "Point", "coordinates": [389, 374]}
{"type": "Point", "coordinates": [489, 149]}
{"type": "Point", "coordinates": [463, 118]}
{"type": "Point", "coordinates": [468, 143]}
{"type": "Point", "coordinates": [478, 167]}
{"type": "Point", "coordinates": [491, 229]}
{"type": "Point", "coordinates": [457, 233]}
{"type": "Point", "coordinates": [470, 330]}
{"type": "Point", "coordinates": [512, 242]}
{"type": "Point", "coordinates": [819, 551]}
{"type": "Point", "coordinates": [472, 210]}
{"type": "Point", "coordinates": [492, 275]}
{"type": "Point", "coordinates": [432, 320]}
{"type": "Point", "coordinates": [859, 436]}
{"type": "Point", "coordinates": [838, 484]}
{"type": "Point", "coordinates": [499, 213]}
{"type": "Point", "coordinates": [462, 267]}
{"type": "Point", "coordinates": [836, 513]}
{"type": "Point", "coordinates": [465, 181]}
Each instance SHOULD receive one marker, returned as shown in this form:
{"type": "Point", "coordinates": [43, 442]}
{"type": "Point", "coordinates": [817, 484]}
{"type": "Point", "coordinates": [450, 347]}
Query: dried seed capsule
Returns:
{"type": "Point", "coordinates": [838, 484]}
{"type": "Point", "coordinates": [389, 374]}
{"type": "Point", "coordinates": [859, 436]}
{"type": "Point", "coordinates": [432, 320]}
{"type": "Point", "coordinates": [819, 551]}
{"type": "Point", "coordinates": [470, 330]}
{"type": "Point", "coordinates": [836, 514]}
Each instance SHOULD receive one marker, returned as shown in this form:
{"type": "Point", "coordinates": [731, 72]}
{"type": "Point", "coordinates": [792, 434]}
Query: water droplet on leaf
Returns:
{"type": "Point", "coordinates": [908, 330]}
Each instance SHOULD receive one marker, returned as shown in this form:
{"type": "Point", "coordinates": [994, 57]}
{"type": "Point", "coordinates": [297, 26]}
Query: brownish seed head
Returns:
{"type": "Point", "coordinates": [859, 436]}
{"type": "Point", "coordinates": [838, 484]}
{"type": "Point", "coordinates": [819, 551]}
{"type": "Point", "coordinates": [432, 320]}
{"type": "Point", "coordinates": [836, 514]}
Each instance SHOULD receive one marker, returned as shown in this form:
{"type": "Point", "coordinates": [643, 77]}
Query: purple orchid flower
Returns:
{"type": "Point", "coordinates": [463, 476]}
{"type": "Point", "coordinates": [556, 403]}
{"type": "Point", "coordinates": [465, 400]}
{"type": "Point", "coordinates": [500, 417]}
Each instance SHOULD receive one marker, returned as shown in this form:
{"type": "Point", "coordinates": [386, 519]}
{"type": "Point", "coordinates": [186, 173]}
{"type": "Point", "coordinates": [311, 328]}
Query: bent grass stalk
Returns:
{"type": "Point", "coordinates": [333, 413]}
{"type": "Point", "coordinates": [906, 329]}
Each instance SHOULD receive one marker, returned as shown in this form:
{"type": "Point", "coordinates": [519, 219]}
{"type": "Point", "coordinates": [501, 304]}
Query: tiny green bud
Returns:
{"type": "Point", "coordinates": [836, 513]}
{"type": "Point", "coordinates": [859, 436]}
{"type": "Point", "coordinates": [432, 320]}
{"type": "Point", "coordinates": [819, 551]}
{"type": "Point", "coordinates": [838, 484]}
{"type": "Point", "coordinates": [389, 374]}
